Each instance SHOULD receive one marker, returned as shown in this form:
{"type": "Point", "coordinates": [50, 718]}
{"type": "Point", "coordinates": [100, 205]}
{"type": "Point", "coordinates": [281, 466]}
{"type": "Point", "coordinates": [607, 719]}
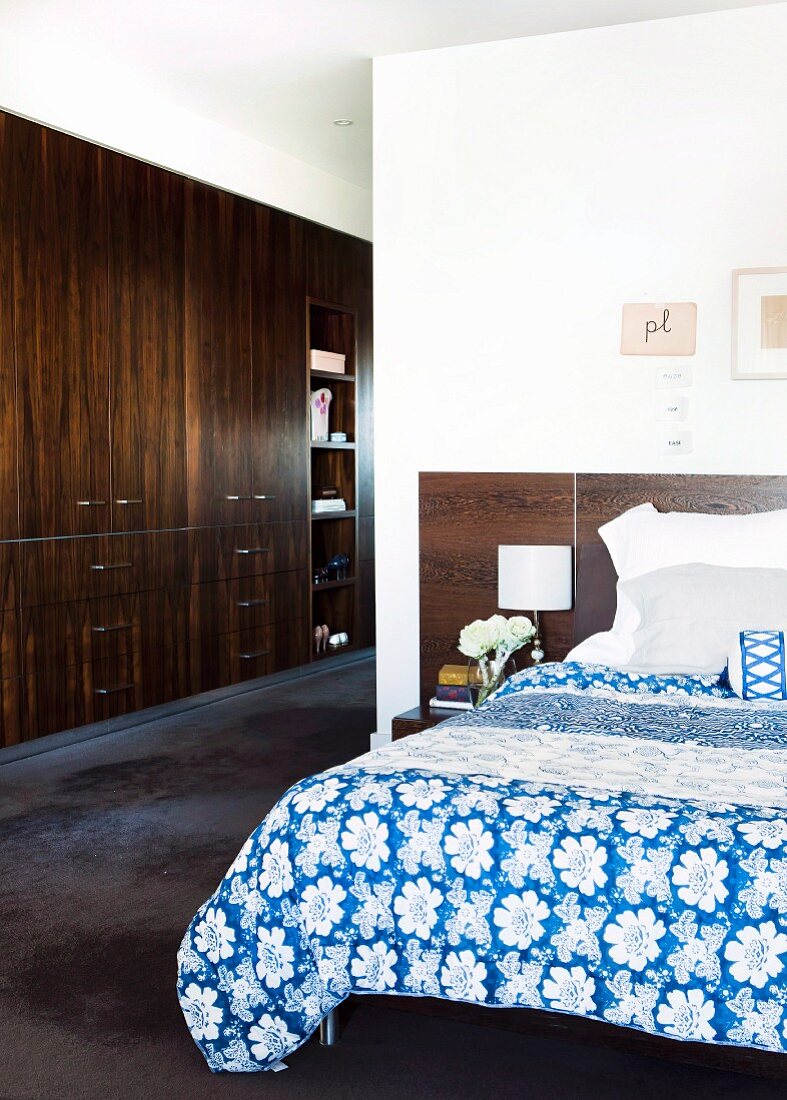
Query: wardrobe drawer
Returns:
{"type": "Point", "coordinates": [84, 630]}
{"type": "Point", "coordinates": [224, 553]}
{"type": "Point", "coordinates": [57, 570]}
{"type": "Point", "coordinates": [247, 654]}
{"type": "Point", "coordinates": [9, 575]}
{"type": "Point", "coordinates": [64, 697]}
{"type": "Point", "coordinates": [11, 723]}
{"type": "Point", "coordinates": [61, 697]}
{"type": "Point", "coordinates": [10, 656]}
{"type": "Point", "coordinates": [221, 607]}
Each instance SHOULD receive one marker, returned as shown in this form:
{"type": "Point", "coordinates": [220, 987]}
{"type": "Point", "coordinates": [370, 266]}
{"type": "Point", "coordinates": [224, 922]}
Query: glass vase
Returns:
{"type": "Point", "coordinates": [486, 675]}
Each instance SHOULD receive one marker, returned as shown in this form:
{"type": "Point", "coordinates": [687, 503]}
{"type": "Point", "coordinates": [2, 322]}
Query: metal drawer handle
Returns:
{"type": "Point", "coordinates": [253, 550]}
{"type": "Point", "coordinates": [124, 500]}
{"type": "Point", "coordinates": [264, 496]}
{"type": "Point", "coordinates": [114, 690]}
{"type": "Point", "coordinates": [115, 626]}
{"type": "Point", "coordinates": [252, 603]}
{"type": "Point", "coordinates": [253, 656]}
{"type": "Point", "coordinates": [91, 503]}
{"type": "Point", "coordinates": [113, 565]}
{"type": "Point", "coordinates": [235, 497]}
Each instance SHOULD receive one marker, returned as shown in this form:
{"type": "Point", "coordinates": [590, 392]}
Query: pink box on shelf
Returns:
{"type": "Point", "coordinates": [330, 361]}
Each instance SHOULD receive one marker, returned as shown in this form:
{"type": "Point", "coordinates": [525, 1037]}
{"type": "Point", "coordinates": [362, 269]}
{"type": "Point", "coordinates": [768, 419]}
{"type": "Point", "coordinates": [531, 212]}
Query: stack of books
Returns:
{"type": "Point", "coordinates": [453, 687]}
{"type": "Point", "coordinates": [334, 505]}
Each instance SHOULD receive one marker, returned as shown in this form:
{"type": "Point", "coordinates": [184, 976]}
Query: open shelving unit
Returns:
{"type": "Point", "coordinates": [332, 327]}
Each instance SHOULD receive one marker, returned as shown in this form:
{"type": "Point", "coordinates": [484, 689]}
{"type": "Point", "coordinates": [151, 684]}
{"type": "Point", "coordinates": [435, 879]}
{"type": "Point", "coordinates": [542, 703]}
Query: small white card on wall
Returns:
{"type": "Point", "coordinates": [659, 328]}
{"type": "Point", "coordinates": [678, 442]}
{"type": "Point", "coordinates": [673, 378]}
{"type": "Point", "coordinates": [672, 406]}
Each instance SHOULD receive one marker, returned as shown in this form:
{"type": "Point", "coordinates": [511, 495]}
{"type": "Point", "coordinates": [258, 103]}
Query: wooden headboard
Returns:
{"type": "Point", "coordinates": [464, 517]}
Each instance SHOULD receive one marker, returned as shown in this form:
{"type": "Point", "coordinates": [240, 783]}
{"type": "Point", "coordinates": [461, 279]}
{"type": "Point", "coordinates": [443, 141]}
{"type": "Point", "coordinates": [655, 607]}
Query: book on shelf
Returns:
{"type": "Point", "coordinates": [453, 693]}
{"type": "Point", "coordinates": [446, 704]}
{"type": "Point", "coordinates": [332, 505]}
{"type": "Point", "coordinates": [459, 674]}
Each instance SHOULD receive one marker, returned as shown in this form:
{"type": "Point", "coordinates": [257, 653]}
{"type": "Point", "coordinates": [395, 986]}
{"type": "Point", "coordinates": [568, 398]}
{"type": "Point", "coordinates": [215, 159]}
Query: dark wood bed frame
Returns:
{"type": "Point", "coordinates": [463, 519]}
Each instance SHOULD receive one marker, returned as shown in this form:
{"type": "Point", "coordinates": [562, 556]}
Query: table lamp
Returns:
{"type": "Point", "coordinates": [537, 578]}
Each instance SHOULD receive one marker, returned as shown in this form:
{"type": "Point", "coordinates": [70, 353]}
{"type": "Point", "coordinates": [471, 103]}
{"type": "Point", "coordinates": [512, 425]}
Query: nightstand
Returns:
{"type": "Point", "coordinates": [418, 719]}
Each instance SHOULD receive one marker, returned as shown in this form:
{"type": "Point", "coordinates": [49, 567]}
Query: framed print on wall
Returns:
{"type": "Point", "coordinates": [759, 323]}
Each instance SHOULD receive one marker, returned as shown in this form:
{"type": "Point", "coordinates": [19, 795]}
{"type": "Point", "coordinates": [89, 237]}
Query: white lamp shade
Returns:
{"type": "Point", "coordinates": [534, 578]}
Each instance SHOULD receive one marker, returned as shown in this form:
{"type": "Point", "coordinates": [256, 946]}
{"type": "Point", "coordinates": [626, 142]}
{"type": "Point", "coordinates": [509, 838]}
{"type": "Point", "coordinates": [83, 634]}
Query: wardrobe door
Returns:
{"type": "Point", "coordinates": [60, 323]}
{"type": "Point", "coordinates": [146, 286]}
{"type": "Point", "coordinates": [280, 445]}
{"type": "Point", "coordinates": [9, 497]}
{"type": "Point", "coordinates": [218, 355]}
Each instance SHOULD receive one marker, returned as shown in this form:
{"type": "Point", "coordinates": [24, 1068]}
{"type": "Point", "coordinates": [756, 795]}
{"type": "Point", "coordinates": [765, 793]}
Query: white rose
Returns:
{"type": "Point", "coordinates": [498, 630]}
{"type": "Point", "coordinates": [520, 630]}
{"type": "Point", "coordinates": [476, 639]}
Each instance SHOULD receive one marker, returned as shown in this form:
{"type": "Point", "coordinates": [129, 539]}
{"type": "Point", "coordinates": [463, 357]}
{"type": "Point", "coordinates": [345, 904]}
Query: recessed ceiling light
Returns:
{"type": "Point", "coordinates": [342, 122]}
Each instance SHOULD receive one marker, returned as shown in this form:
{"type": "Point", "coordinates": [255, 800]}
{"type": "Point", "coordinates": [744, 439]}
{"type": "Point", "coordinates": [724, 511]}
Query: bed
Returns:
{"type": "Point", "coordinates": [591, 844]}
{"type": "Point", "coordinates": [587, 843]}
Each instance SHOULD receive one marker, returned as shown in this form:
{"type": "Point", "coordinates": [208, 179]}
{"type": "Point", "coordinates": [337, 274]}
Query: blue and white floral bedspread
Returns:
{"type": "Point", "coordinates": [590, 842]}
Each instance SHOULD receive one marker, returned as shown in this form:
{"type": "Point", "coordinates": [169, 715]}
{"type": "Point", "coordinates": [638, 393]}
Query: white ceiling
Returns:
{"type": "Point", "coordinates": [281, 70]}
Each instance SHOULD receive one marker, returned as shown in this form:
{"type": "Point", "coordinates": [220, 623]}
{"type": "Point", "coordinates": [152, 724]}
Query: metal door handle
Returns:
{"type": "Point", "coordinates": [114, 690]}
{"type": "Point", "coordinates": [235, 497]}
{"type": "Point", "coordinates": [253, 656]}
{"type": "Point", "coordinates": [113, 565]}
{"type": "Point", "coordinates": [91, 503]}
{"type": "Point", "coordinates": [264, 496]}
{"type": "Point", "coordinates": [115, 626]}
{"type": "Point", "coordinates": [252, 550]}
{"type": "Point", "coordinates": [125, 500]}
{"type": "Point", "coordinates": [252, 603]}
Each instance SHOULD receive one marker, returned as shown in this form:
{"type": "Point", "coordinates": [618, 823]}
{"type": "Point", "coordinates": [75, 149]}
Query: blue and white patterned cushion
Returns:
{"type": "Point", "coordinates": [756, 667]}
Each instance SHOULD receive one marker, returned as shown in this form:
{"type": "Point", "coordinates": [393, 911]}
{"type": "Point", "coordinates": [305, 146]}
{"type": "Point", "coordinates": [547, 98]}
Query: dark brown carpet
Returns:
{"type": "Point", "coordinates": [106, 850]}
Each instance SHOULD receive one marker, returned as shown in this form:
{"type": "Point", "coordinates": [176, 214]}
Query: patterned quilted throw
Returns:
{"type": "Point", "coordinates": [591, 842]}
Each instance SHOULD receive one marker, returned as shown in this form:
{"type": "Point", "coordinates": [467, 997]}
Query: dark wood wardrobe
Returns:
{"type": "Point", "coordinates": [155, 455]}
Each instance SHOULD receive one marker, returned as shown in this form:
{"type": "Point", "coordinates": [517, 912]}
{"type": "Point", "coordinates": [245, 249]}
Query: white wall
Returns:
{"type": "Point", "coordinates": [524, 191]}
{"type": "Point", "coordinates": [109, 106]}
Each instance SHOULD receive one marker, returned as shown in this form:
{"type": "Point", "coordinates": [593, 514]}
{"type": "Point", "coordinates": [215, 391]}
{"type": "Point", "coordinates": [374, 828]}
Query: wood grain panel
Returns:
{"type": "Point", "coordinates": [279, 397]}
{"type": "Point", "coordinates": [366, 538]}
{"type": "Point", "coordinates": [367, 612]}
{"type": "Point", "coordinates": [11, 712]}
{"type": "Point", "coordinates": [223, 553]}
{"type": "Point", "coordinates": [66, 696]}
{"type": "Point", "coordinates": [463, 519]}
{"type": "Point", "coordinates": [146, 283]}
{"type": "Point", "coordinates": [245, 655]}
{"type": "Point", "coordinates": [9, 489]}
{"type": "Point", "coordinates": [230, 605]}
{"type": "Point", "coordinates": [56, 570]}
{"type": "Point", "coordinates": [79, 631]}
{"type": "Point", "coordinates": [60, 323]}
{"type": "Point", "coordinates": [218, 355]}
{"type": "Point", "coordinates": [602, 497]}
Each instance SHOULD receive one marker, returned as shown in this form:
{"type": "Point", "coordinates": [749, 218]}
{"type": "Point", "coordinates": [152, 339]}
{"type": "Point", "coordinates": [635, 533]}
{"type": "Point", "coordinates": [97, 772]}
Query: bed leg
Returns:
{"type": "Point", "coordinates": [329, 1029]}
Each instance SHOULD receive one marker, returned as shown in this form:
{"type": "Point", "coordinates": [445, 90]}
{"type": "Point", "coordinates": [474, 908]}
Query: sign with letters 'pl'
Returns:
{"type": "Point", "coordinates": [663, 328]}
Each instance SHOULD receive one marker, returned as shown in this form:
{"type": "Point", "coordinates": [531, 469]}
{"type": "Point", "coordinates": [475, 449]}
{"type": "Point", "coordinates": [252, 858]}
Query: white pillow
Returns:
{"type": "Point", "coordinates": [688, 613]}
{"type": "Point", "coordinates": [611, 647]}
{"type": "Point", "coordinates": [642, 540]}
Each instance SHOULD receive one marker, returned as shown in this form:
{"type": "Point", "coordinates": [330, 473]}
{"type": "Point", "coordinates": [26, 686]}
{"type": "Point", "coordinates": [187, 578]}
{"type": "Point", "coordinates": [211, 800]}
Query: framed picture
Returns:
{"type": "Point", "coordinates": [759, 323]}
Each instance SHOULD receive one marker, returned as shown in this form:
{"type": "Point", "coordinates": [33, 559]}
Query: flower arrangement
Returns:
{"type": "Point", "coordinates": [492, 642]}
